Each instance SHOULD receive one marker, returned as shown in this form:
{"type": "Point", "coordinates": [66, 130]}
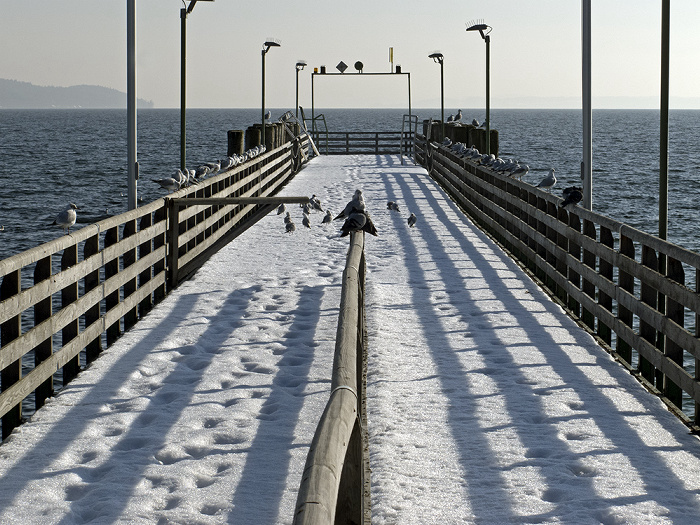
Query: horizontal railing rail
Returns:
{"type": "Point", "coordinates": [636, 292]}
{"type": "Point", "coordinates": [62, 302]}
{"type": "Point", "coordinates": [336, 475]}
{"type": "Point", "coordinates": [362, 142]}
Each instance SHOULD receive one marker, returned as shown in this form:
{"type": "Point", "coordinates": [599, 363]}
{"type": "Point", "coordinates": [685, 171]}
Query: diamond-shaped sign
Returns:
{"type": "Point", "coordinates": [342, 66]}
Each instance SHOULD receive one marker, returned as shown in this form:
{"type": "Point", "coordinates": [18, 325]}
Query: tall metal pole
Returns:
{"type": "Point", "coordinates": [262, 131]}
{"type": "Point", "coordinates": [587, 160]}
{"type": "Point", "coordinates": [442, 98]}
{"type": "Point", "coordinates": [183, 83]}
{"type": "Point", "coordinates": [297, 98]}
{"type": "Point", "coordinates": [131, 102]}
{"type": "Point", "coordinates": [663, 139]}
{"type": "Point", "coordinates": [488, 94]}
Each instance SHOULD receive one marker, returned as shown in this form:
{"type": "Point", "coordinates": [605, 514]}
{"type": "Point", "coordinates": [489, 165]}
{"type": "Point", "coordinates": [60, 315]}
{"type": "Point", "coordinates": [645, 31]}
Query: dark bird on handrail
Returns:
{"type": "Point", "coordinates": [572, 195]}
{"type": "Point", "coordinates": [549, 181]}
{"type": "Point", "coordinates": [66, 218]}
{"type": "Point", "coordinates": [355, 222]}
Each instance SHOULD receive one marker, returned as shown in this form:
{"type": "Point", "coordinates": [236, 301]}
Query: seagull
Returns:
{"type": "Point", "coordinates": [290, 227]}
{"type": "Point", "coordinates": [281, 209]}
{"type": "Point", "coordinates": [412, 220]}
{"type": "Point", "coordinates": [328, 218]}
{"type": "Point", "coordinates": [66, 218]}
{"type": "Point", "coordinates": [450, 118]}
{"type": "Point", "coordinates": [315, 203]}
{"type": "Point", "coordinates": [202, 171]}
{"type": "Point", "coordinates": [549, 181]}
{"type": "Point", "coordinates": [519, 171]}
{"type": "Point", "coordinates": [475, 123]}
{"type": "Point", "coordinates": [168, 183]}
{"type": "Point", "coordinates": [458, 116]}
{"type": "Point", "coordinates": [357, 203]}
{"type": "Point", "coordinates": [391, 205]}
{"type": "Point", "coordinates": [268, 115]}
{"type": "Point", "coordinates": [305, 221]}
{"type": "Point", "coordinates": [572, 195]}
{"type": "Point", "coordinates": [287, 218]}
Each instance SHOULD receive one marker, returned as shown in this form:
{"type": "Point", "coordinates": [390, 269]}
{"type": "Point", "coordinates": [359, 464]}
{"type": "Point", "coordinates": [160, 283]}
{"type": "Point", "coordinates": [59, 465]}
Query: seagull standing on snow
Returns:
{"type": "Point", "coordinates": [306, 222]}
{"type": "Point", "coordinates": [549, 181]}
{"type": "Point", "coordinates": [290, 227]}
{"type": "Point", "coordinates": [328, 218]}
{"type": "Point", "coordinates": [287, 218]}
{"type": "Point", "coordinates": [66, 218]}
{"type": "Point", "coordinates": [412, 220]}
{"type": "Point", "coordinates": [391, 205]}
{"type": "Point", "coordinates": [281, 209]}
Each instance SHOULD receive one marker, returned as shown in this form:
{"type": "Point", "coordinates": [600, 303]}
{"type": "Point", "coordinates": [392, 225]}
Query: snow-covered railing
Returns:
{"type": "Point", "coordinates": [362, 142]}
{"type": "Point", "coordinates": [336, 475]}
{"type": "Point", "coordinates": [62, 302]}
{"type": "Point", "coordinates": [625, 286]}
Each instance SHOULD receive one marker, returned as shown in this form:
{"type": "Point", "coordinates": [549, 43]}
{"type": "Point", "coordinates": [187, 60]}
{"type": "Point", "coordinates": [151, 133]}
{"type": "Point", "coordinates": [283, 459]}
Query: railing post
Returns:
{"type": "Point", "coordinates": [161, 215]}
{"type": "Point", "coordinates": [626, 282]}
{"type": "Point", "coordinates": [129, 258]}
{"type": "Point", "coordinates": [69, 295]}
{"type": "Point", "coordinates": [92, 281]}
{"type": "Point", "coordinates": [173, 236]}
{"type": "Point", "coordinates": [112, 300]}
{"type": "Point", "coordinates": [144, 249]}
{"type": "Point", "coordinates": [589, 259]}
{"type": "Point", "coordinates": [575, 252]}
{"type": "Point", "coordinates": [43, 311]}
{"type": "Point", "coordinates": [649, 296]}
{"type": "Point", "coordinates": [675, 312]}
{"type": "Point", "coordinates": [606, 269]}
{"type": "Point", "coordinates": [10, 330]}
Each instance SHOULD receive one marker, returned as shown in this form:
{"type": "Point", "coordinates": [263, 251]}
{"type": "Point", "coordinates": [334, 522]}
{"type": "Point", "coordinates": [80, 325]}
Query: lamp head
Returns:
{"type": "Point", "coordinates": [437, 57]}
{"type": "Point", "coordinates": [270, 42]}
{"type": "Point", "coordinates": [479, 26]}
{"type": "Point", "coordinates": [300, 64]}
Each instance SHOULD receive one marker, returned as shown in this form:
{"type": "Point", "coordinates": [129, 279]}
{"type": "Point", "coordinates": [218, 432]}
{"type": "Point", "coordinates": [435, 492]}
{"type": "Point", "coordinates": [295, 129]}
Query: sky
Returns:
{"type": "Point", "coordinates": [486, 403]}
{"type": "Point", "coordinates": [535, 51]}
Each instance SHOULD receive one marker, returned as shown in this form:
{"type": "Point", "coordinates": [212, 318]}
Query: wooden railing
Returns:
{"type": "Point", "coordinates": [625, 286]}
{"type": "Point", "coordinates": [362, 142]}
{"type": "Point", "coordinates": [62, 302]}
{"type": "Point", "coordinates": [335, 483]}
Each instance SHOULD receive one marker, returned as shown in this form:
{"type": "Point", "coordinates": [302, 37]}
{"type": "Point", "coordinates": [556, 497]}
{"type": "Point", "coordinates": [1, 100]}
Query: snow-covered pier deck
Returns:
{"type": "Point", "coordinates": [486, 403]}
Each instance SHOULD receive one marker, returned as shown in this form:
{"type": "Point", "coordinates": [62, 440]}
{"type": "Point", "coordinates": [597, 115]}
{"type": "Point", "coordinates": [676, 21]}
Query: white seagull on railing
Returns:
{"type": "Point", "coordinates": [549, 181]}
{"type": "Point", "coordinates": [66, 218]}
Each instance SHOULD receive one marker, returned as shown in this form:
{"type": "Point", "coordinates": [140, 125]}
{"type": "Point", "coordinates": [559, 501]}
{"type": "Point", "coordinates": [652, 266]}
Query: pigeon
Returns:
{"type": "Point", "coordinates": [287, 218]}
{"type": "Point", "coordinates": [305, 221]}
{"type": "Point", "coordinates": [281, 209]}
{"type": "Point", "coordinates": [168, 183]}
{"type": "Point", "coordinates": [290, 227]}
{"type": "Point", "coordinates": [66, 218]}
{"type": "Point", "coordinates": [572, 195]}
{"type": "Point", "coordinates": [549, 181]}
{"type": "Point", "coordinates": [355, 221]}
{"type": "Point", "coordinates": [328, 218]}
{"type": "Point", "coordinates": [412, 220]}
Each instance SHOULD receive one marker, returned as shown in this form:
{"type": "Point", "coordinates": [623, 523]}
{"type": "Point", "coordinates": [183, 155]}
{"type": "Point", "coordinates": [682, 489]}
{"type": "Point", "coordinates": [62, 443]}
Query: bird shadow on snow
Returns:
{"type": "Point", "coordinates": [524, 401]}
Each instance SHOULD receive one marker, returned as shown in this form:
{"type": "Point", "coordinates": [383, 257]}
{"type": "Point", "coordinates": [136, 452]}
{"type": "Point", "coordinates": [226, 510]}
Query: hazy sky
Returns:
{"type": "Point", "coordinates": [535, 50]}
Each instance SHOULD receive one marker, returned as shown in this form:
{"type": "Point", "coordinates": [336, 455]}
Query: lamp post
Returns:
{"type": "Point", "coordinates": [183, 53]}
{"type": "Point", "coordinates": [132, 164]}
{"type": "Point", "coordinates": [299, 67]}
{"type": "Point", "coordinates": [484, 31]}
{"type": "Point", "coordinates": [266, 47]}
{"type": "Point", "coordinates": [438, 59]}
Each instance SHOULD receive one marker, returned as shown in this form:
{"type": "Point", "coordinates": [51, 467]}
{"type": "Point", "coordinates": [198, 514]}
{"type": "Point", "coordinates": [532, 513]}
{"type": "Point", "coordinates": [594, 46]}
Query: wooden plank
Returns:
{"type": "Point", "coordinates": [44, 349]}
{"type": "Point", "coordinates": [673, 350]}
{"type": "Point", "coordinates": [92, 281]}
{"type": "Point", "coordinates": [69, 295]}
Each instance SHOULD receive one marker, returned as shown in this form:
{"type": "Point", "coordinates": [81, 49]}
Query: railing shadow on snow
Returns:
{"type": "Point", "coordinates": [626, 287]}
{"type": "Point", "coordinates": [64, 301]}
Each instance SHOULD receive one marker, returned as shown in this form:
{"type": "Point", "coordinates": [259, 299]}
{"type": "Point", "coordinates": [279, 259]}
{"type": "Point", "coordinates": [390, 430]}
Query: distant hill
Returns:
{"type": "Point", "coordinates": [23, 95]}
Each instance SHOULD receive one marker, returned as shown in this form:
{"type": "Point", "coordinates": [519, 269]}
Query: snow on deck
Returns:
{"type": "Point", "coordinates": [486, 403]}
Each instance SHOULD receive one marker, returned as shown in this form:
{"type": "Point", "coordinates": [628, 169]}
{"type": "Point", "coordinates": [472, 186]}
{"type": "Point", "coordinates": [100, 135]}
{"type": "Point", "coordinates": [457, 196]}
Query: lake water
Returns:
{"type": "Point", "coordinates": [50, 158]}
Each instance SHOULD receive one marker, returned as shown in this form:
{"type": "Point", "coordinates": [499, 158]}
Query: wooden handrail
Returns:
{"type": "Point", "coordinates": [335, 465]}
